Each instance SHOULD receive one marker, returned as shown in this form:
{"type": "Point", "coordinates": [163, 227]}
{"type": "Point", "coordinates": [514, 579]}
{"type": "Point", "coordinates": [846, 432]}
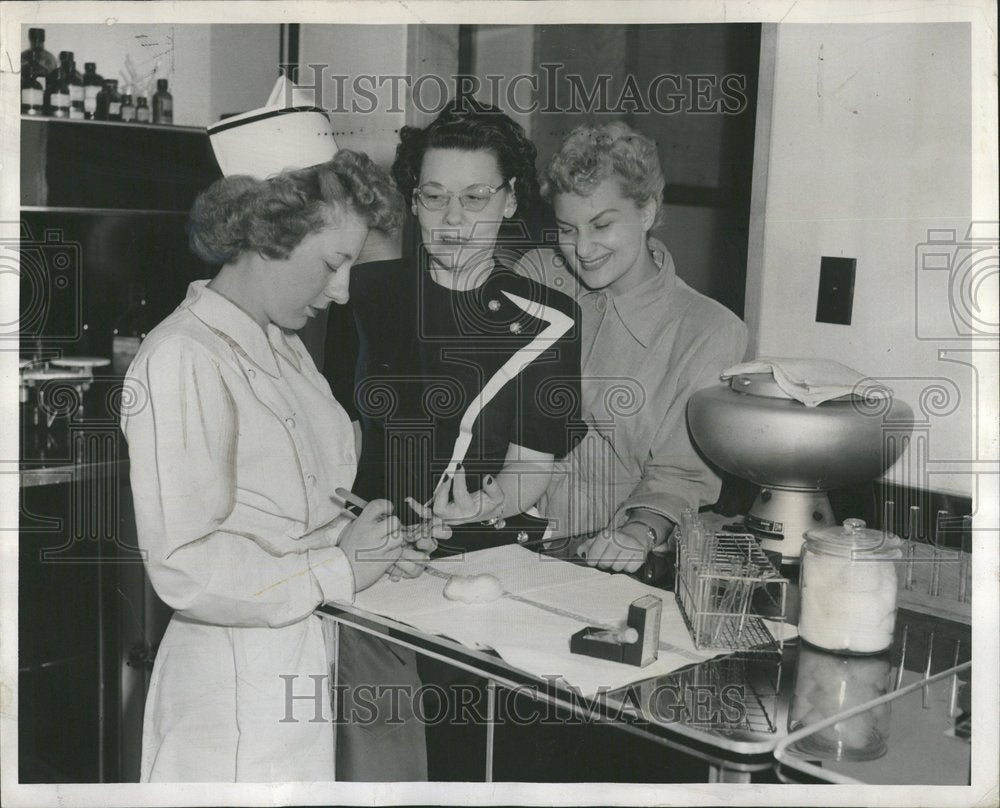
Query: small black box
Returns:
{"type": "Point", "coordinates": [644, 617]}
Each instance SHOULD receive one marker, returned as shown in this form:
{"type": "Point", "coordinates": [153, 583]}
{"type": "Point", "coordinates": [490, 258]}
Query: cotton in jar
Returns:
{"type": "Point", "coordinates": [848, 588]}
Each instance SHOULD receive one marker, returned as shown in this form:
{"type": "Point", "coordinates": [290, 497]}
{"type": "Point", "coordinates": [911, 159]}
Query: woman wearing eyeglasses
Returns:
{"type": "Point", "coordinates": [467, 385]}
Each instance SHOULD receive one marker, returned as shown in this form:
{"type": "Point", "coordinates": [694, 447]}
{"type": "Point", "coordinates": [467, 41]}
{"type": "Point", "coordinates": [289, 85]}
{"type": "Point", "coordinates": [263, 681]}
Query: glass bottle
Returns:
{"type": "Point", "coordinates": [128, 108]}
{"type": "Point", "coordinates": [59, 98]}
{"type": "Point", "coordinates": [114, 100]}
{"type": "Point", "coordinates": [142, 110]}
{"type": "Point", "coordinates": [163, 104]}
{"type": "Point", "coordinates": [32, 94]}
{"type": "Point", "coordinates": [92, 85]}
{"type": "Point", "coordinates": [75, 82]}
{"type": "Point", "coordinates": [37, 53]}
{"type": "Point", "coordinates": [101, 111]}
{"type": "Point", "coordinates": [827, 684]}
{"type": "Point", "coordinates": [848, 588]}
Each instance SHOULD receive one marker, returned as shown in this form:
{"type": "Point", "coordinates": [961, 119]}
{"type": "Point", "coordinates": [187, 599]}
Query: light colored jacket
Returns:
{"type": "Point", "coordinates": [644, 353]}
{"type": "Point", "coordinates": [236, 446]}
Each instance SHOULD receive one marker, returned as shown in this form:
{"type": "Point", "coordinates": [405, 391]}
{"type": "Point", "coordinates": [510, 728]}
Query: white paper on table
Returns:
{"type": "Point", "coordinates": [525, 635]}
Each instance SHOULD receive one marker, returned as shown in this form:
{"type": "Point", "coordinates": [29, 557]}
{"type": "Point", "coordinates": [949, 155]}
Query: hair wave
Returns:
{"type": "Point", "coordinates": [242, 214]}
{"type": "Point", "coordinates": [592, 153]}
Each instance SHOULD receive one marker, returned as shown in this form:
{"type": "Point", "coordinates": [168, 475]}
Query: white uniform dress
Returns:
{"type": "Point", "coordinates": [236, 446]}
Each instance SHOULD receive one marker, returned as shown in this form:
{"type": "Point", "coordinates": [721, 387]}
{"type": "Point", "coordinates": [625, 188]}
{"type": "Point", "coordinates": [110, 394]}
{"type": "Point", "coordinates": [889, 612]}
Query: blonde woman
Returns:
{"type": "Point", "coordinates": [237, 447]}
{"type": "Point", "coordinates": [648, 341]}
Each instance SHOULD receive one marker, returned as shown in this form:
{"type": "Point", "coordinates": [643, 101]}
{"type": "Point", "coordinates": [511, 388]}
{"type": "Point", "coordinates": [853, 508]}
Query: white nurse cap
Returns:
{"type": "Point", "coordinates": [283, 134]}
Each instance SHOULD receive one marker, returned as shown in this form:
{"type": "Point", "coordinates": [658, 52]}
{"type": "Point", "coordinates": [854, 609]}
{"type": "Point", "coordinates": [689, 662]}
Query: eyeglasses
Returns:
{"type": "Point", "coordinates": [476, 197]}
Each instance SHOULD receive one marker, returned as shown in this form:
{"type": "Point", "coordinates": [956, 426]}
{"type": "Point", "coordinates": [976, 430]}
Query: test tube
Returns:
{"type": "Point", "coordinates": [913, 530]}
{"type": "Point", "coordinates": [936, 564]}
{"type": "Point", "coordinates": [965, 568]}
{"type": "Point", "coordinates": [902, 658]}
{"type": "Point", "coordinates": [888, 516]}
{"type": "Point", "coordinates": [953, 698]}
{"type": "Point", "coordinates": [927, 671]}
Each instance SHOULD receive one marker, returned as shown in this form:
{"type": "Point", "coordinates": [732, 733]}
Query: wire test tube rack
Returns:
{"type": "Point", "coordinates": [725, 585]}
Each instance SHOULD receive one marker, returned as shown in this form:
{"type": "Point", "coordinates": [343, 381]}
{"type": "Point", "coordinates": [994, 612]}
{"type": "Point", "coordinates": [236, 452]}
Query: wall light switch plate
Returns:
{"type": "Point", "coordinates": [836, 290]}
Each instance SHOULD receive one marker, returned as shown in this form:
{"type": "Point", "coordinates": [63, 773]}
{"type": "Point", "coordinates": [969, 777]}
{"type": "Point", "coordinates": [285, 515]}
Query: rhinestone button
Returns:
{"type": "Point", "coordinates": [515, 328]}
{"type": "Point", "coordinates": [494, 305]}
{"type": "Point", "coordinates": [522, 537]}
{"type": "Point", "coordinates": [290, 423]}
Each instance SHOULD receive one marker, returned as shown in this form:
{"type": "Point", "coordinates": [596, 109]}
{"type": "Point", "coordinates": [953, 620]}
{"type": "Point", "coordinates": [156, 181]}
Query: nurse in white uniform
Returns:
{"type": "Point", "coordinates": [237, 446]}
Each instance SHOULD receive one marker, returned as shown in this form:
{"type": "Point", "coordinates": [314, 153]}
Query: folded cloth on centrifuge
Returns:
{"type": "Point", "coordinates": [545, 602]}
{"type": "Point", "coordinates": [812, 381]}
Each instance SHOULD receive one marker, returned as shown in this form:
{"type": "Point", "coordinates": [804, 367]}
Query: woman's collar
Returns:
{"type": "Point", "coordinates": [238, 328]}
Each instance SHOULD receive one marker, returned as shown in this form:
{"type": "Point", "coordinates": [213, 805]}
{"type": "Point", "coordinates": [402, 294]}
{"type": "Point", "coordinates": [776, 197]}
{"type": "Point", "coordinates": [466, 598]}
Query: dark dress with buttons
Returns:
{"type": "Point", "coordinates": [441, 378]}
{"type": "Point", "coordinates": [446, 378]}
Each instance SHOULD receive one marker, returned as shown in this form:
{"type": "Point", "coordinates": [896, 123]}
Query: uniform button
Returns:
{"type": "Point", "coordinates": [600, 303]}
{"type": "Point", "coordinates": [290, 423]}
{"type": "Point", "coordinates": [311, 479]}
{"type": "Point", "coordinates": [251, 373]}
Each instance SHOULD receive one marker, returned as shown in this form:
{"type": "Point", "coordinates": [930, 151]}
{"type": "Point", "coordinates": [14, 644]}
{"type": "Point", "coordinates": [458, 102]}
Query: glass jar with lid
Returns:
{"type": "Point", "coordinates": [827, 684]}
{"type": "Point", "coordinates": [848, 588]}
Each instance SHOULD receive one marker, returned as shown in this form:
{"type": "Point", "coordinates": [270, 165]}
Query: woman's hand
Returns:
{"type": "Point", "coordinates": [410, 564]}
{"type": "Point", "coordinates": [425, 534]}
{"type": "Point", "coordinates": [461, 506]}
{"type": "Point", "coordinates": [372, 543]}
{"type": "Point", "coordinates": [420, 540]}
{"type": "Point", "coordinates": [615, 550]}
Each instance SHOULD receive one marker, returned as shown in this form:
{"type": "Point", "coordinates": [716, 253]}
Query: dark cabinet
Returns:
{"type": "Point", "coordinates": [88, 624]}
{"type": "Point", "coordinates": [113, 166]}
{"type": "Point", "coordinates": [102, 221]}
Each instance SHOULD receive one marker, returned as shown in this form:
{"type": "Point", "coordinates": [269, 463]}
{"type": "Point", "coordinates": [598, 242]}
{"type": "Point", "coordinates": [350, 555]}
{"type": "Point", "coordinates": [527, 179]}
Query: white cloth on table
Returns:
{"type": "Point", "coordinates": [812, 381]}
{"type": "Point", "coordinates": [527, 636]}
{"type": "Point", "coordinates": [236, 446]}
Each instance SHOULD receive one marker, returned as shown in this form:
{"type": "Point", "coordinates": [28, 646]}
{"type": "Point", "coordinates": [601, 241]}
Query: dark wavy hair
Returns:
{"type": "Point", "coordinates": [470, 125]}
{"type": "Point", "coordinates": [240, 214]}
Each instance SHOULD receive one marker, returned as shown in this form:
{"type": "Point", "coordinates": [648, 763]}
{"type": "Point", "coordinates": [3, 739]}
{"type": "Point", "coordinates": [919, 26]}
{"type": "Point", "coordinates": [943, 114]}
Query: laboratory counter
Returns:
{"type": "Point", "coordinates": [728, 714]}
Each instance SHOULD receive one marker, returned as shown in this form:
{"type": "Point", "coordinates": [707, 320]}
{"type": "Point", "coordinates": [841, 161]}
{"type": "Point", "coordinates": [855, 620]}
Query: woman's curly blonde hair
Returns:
{"type": "Point", "coordinates": [592, 153]}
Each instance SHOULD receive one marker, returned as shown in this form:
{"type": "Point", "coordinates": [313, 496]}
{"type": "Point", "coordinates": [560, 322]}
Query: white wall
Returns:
{"type": "Point", "coordinates": [211, 69]}
{"type": "Point", "coordinates": [355, 50]}
{"type": "Point", "coordinates": [244, 67]}
{"type": "Point", "coordinates": [869, 149]}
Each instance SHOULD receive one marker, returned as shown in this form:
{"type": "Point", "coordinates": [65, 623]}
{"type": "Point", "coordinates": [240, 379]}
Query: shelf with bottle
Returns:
{"type": "Point", "coordinates": [118, 124]}
{"type": "Point", "coordinates": [52, 89]}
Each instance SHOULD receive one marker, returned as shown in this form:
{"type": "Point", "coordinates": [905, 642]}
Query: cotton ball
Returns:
{"type": "Point", "coordinates": [856, 732]}
{"type": "Point", "coordinates": [473, 588]}
{"type": "Point", "coordinates": [848, 604]}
